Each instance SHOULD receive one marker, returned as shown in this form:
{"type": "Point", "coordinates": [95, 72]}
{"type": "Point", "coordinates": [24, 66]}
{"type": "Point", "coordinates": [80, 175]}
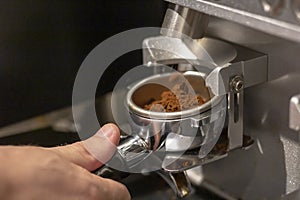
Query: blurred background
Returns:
{"type": "Point", "coordinates": [43, 43]}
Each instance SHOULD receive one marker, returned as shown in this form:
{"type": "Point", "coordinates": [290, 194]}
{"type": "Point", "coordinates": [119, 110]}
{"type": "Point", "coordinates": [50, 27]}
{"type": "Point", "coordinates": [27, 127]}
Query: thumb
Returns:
{"type": "Point", "coordinates": [93, 152]}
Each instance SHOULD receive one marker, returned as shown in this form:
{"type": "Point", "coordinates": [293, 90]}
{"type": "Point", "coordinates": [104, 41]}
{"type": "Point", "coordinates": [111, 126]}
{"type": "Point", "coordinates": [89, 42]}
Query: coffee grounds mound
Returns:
{"type": "Point", "coordinates": [176, 100]}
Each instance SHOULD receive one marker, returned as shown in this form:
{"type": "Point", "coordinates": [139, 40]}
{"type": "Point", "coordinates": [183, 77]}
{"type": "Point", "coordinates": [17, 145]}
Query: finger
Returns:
{"type": "Point", "coordinates": [111, 189]}
{"type": "Point", "coordinates": [91, 186]}
{"type": "Point", "coordinates": [103, 145]}
{"type": "Point", "coordinates": [93, 152]}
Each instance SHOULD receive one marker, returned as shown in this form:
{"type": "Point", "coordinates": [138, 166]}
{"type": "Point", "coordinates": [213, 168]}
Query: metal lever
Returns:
{"type": "Point", "coordinates": [178, 181]}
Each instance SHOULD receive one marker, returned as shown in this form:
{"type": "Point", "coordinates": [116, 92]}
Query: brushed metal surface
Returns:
{"type": "Point", "coordinates": [252, 14]}
{"type": "Point", "coordinates": [184, 20]}
{"type": "Point", "coordinates": [270, 169]}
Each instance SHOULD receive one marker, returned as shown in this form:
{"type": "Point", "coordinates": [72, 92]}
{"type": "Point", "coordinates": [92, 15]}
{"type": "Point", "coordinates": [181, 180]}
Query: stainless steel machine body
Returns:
{"type": "Point", "coordinates": [270, 168]}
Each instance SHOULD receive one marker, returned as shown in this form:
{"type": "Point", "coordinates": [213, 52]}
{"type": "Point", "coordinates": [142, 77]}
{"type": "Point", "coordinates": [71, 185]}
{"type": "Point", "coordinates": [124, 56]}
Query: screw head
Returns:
{"type": "Point", "coordinates": [237, 84]}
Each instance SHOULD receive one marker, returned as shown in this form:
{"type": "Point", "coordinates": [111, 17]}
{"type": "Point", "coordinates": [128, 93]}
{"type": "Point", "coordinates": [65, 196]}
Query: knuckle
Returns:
{"type": "Point", "coordinates": [125, 192]}
{"type": "Point", "coordinates": [54, 162]}
{"type": "Point", "coordinates": [122, 187]}
{"type": "Point", "coordinates": [93, 191]}
{"type": "Point", "coordinates": [120, 191]}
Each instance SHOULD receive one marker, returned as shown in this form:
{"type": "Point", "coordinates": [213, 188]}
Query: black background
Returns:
{"type": "Point", "coordinates": [43, 43]}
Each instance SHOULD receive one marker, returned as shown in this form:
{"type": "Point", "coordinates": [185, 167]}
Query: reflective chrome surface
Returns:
{"type": "Point", "coordinates": [181, 20]}
{"type": "Point", "coordinates": [206, 51]}
{"type": "Point", "coordinates": [284, 23]}
{"type": "Point", "coordinates": [153, 86]}
{"type": "Point", "coordinates": [295, 113]}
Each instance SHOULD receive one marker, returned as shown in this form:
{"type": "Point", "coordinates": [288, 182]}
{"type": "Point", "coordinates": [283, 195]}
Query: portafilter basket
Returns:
{"type": "Point", "coordinates": [156, 137]}
{"type": "Point", "coordinates": [180, 130]}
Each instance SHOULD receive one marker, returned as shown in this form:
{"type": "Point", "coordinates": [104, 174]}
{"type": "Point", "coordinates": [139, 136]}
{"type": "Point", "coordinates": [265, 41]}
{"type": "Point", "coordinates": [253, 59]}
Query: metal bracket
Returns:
{"type": "Point", "coordinates": [236, 112]}
{"type": "Point", "coordinates": [253, 70]}
{"type": "Point", "coordinates": [232, 79]}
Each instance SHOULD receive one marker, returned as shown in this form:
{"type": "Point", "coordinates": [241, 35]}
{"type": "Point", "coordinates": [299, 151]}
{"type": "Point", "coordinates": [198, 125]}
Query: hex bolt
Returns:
{"type": "Point", "coordinates": [237, 84]}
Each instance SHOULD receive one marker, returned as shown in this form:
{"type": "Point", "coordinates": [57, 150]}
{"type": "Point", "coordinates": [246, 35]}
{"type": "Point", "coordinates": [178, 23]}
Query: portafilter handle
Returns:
{"type": "Point", "coordinates": [131, 152]}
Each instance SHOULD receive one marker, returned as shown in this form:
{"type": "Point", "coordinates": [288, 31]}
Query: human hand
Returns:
{"type": "Point", "coordinates": [60, 172]}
